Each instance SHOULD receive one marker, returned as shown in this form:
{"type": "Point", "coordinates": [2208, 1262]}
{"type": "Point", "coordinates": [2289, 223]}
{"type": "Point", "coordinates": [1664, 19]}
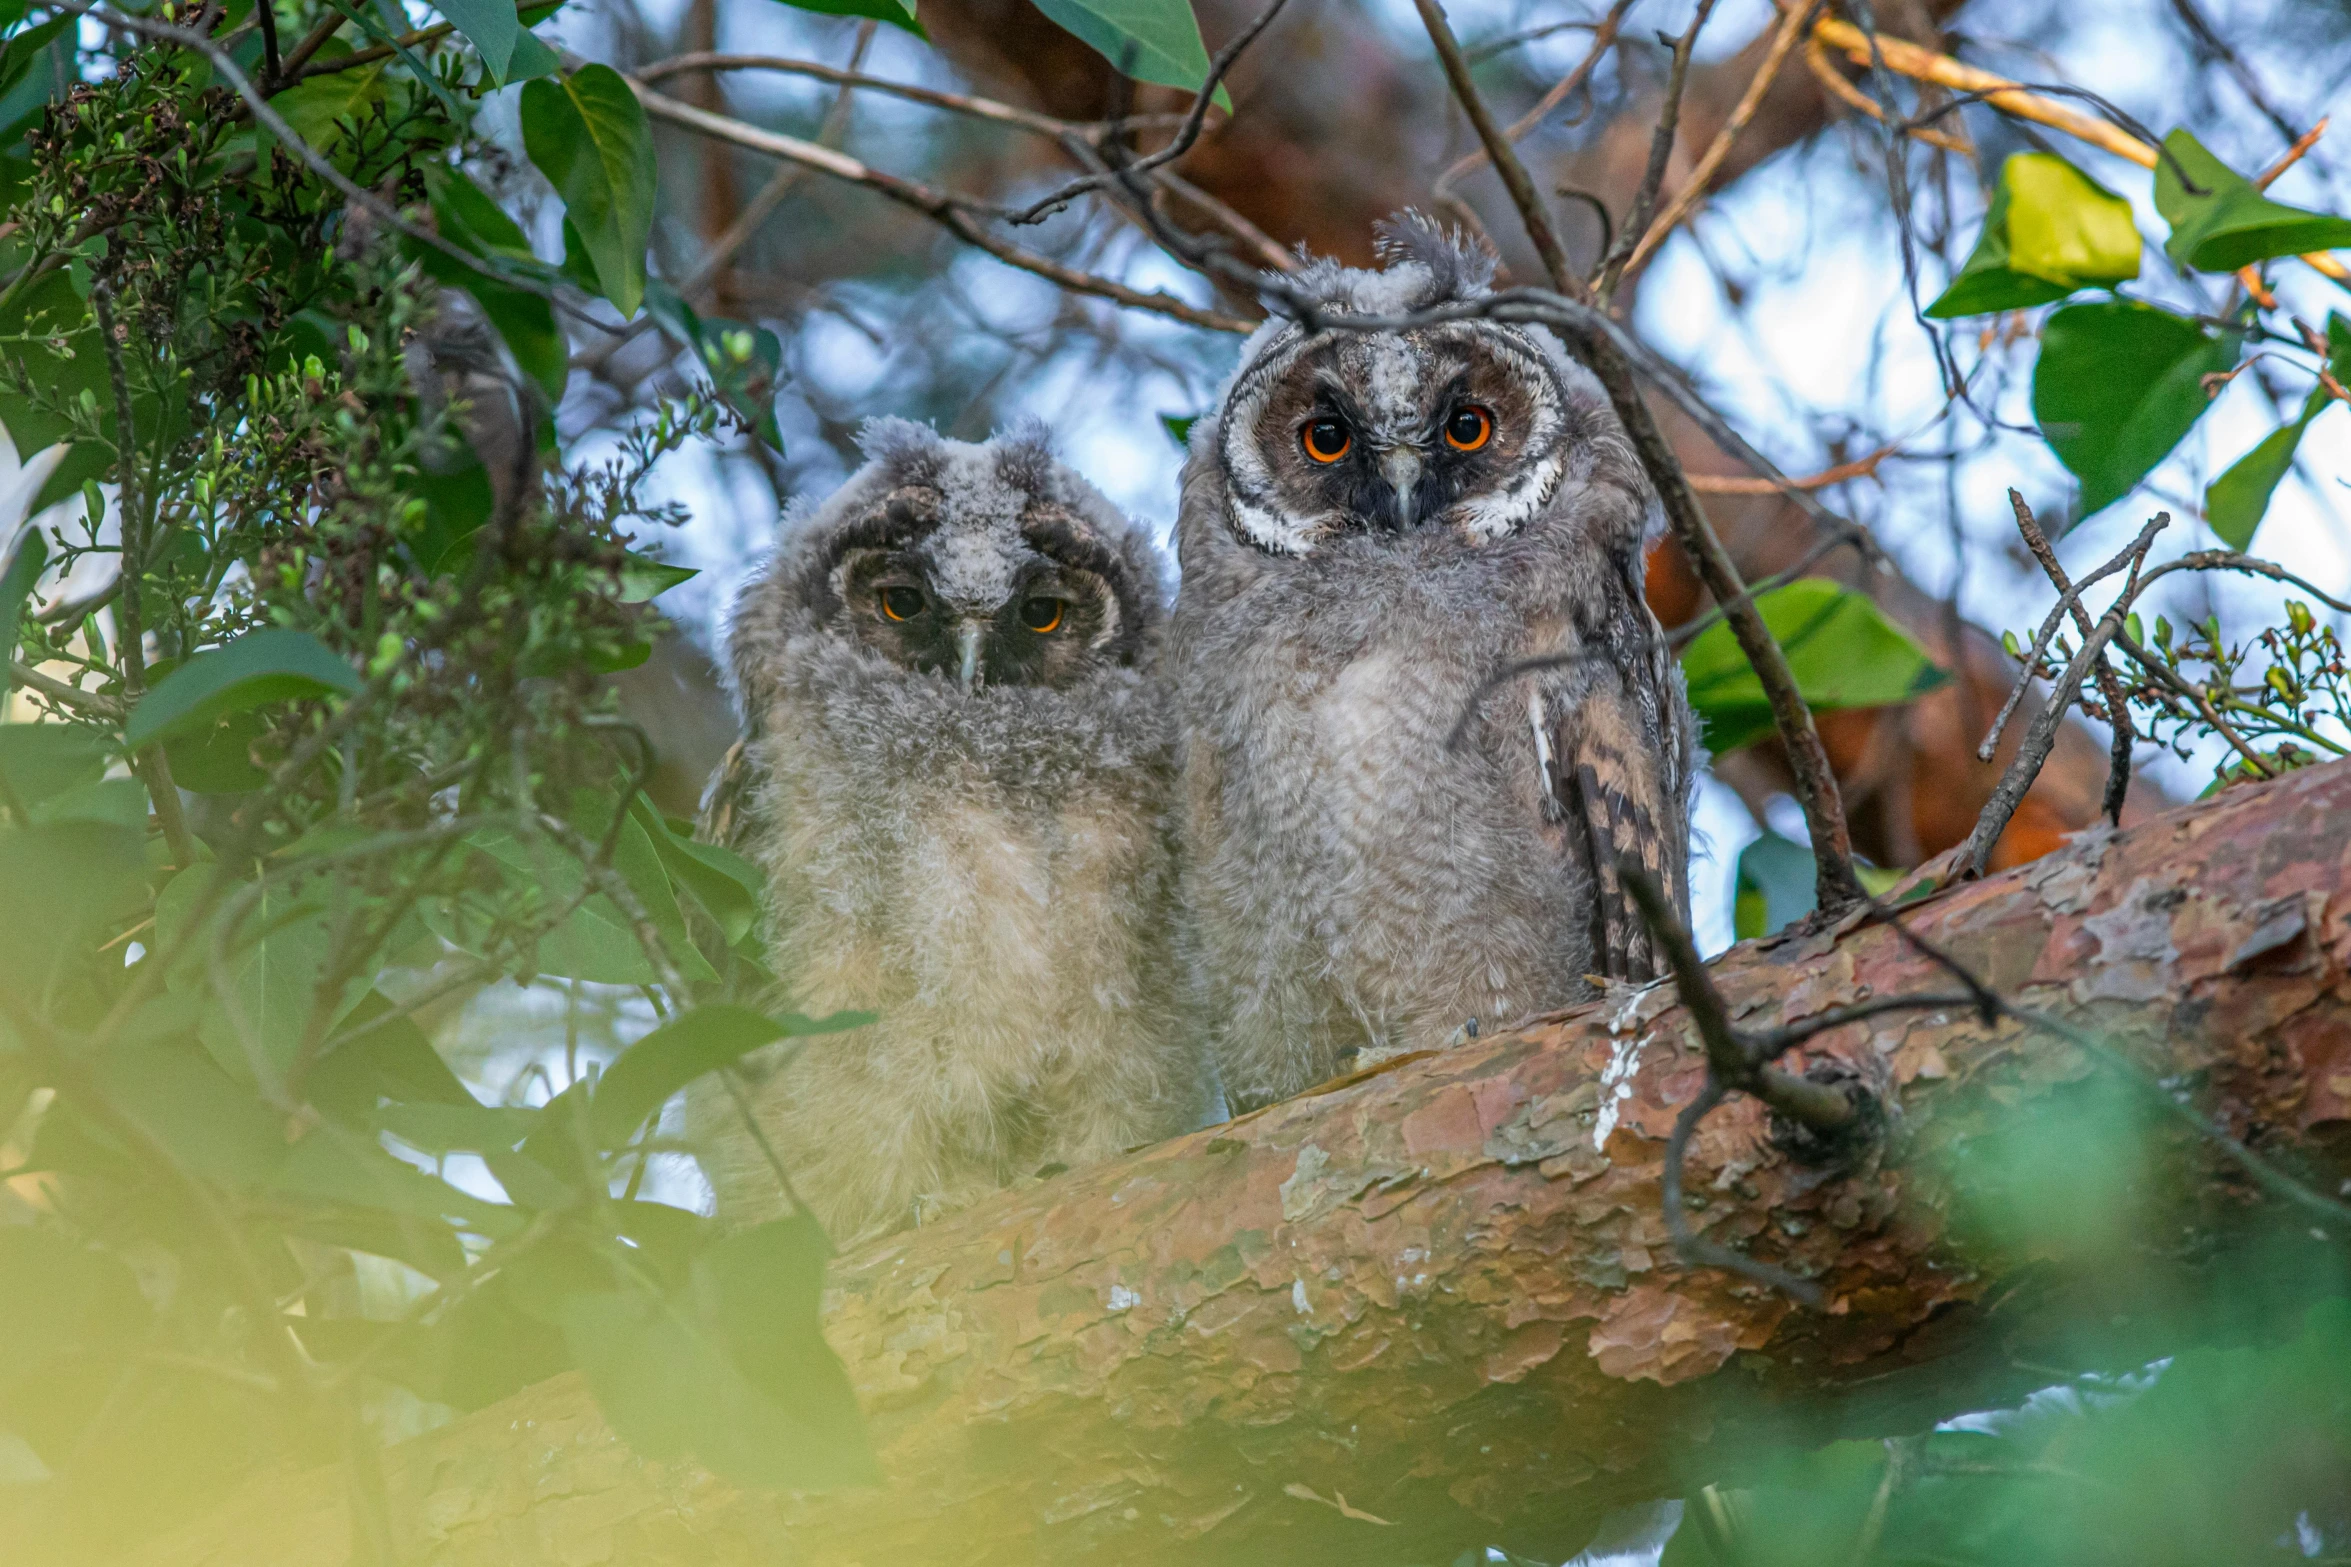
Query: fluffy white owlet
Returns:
{"type": "Point", "coordinates": [960, 771]}
{"type": "Point", "coordinates": [1374, 525]}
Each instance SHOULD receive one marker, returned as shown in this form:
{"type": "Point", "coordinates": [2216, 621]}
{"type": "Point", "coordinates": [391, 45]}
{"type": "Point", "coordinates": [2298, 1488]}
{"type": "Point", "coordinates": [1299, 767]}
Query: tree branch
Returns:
{"type": "Point", "coordinates": [1444, 1288]}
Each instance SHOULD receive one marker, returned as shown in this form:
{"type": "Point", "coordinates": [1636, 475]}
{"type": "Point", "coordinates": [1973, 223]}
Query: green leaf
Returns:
{"type": "Point", "coordinates": [587, 134]}
{"type": "Point", "coordinates": [2232, 224]}
{"type": "Point", "coordinates": [317, 109]}
{"type": "Point", "coordinates": [39, 760]}
{"type": "Point", "coordinates": [1179, 428]}
{"type": "Point", "coordinates": [20, 567]}
{"type": "Point", "coordinates": [891, 11]}
{"type": "Point", "coordinates": [1776, 886]}
{"type": "Point", "coordinates": [276, 664]}
{"type": "Point", "coordinates": [642, 579]}
{"type": "Point", "coordinates": [491, 25]}
{"type": "Point", "coordinates": [2050, 230]}
{"type": "Point", "coordinates": [469, 219]}
{"type": "Point", "coordinates": [1841, 648]}
{"type": "Point", "coordinates": [641, 1079]}
{"type": "Point", "coordinates": [219, 759]}
{"type": "Point", "coordinates": [725, 884]}
{"type": "Point", "coordinates": [1150, 40]}
{"type": "Point", "coordinates": [2235, 502]}
{"type": "Point", "coordinates": [216, 1127]}
{"type": "Point", "coordinates": [730, 1368]}
{"type": "Point", "coordinates": [117, 802]}
{"type": "Point", "coordinates": [2116, 387]}
{"type": "Point", "coordinates": [332, 1165]}
{"type": "Point", "coordinates": [86, 873]}
{"type": "Point", "coordinates": [21, 51]}
{"type": "Point", "coordinates": [64, 1299]}
{"type": "Point", "coordinates": [744, 361]}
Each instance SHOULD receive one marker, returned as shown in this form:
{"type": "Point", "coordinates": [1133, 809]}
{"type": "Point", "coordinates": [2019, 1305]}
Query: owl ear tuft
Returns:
{"type": "Point", "coordinates": [909, 452]}
{"type": "Point", "coordinates": [1460, 263]}
{"type": "Point", "coordinates": [1024, 456]}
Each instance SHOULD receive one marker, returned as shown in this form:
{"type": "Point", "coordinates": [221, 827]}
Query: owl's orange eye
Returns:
{"type": "Point", "coordinates": [901, 603]}
{"type": "Point", "coordinates": [1042, 615]}
{"type": "Point", "coordinates": [1326, 440]}
{"type": "Point", "coordinates": [1470, 428]}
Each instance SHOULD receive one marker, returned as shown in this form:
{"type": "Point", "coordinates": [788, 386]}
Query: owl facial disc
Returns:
{"type": "Point", "coordinates": [1459, 425]}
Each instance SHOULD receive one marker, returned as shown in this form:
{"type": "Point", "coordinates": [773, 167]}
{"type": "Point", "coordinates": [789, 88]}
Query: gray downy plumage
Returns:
{"type": "Point", "coordinates": [966, 824]}
{"type": "Point", "coordinates": [1357, 887]}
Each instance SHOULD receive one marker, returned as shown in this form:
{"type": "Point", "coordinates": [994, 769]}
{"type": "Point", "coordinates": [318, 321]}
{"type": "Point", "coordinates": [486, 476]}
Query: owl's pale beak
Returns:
{"type": "Point", "coordinates": [1400, 466]}
{"type": "Point", "coordinates": [967, 641]}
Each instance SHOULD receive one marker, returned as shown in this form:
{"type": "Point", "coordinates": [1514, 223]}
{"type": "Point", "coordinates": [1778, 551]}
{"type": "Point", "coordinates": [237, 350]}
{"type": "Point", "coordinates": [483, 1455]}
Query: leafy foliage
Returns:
{"type": "Point", "coordinates": [1842, 649]}
{"type": "Point", "coordinates": [333, 742]}
{"type": "Point", "coordinates": [2120, 383]}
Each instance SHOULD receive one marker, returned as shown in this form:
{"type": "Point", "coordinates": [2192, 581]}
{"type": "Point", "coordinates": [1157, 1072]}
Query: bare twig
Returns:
{"type": "Point", "coordinates": [2067, 598]}
{"type": "Point", "coordinates": [1693, 189]}
{"type": "Point", "coordinates": [2012, 98]}
{"type": "Point", "coordinates": [1816, 57]}
{"type": "Point", "coordinates": [2118, 773]}
{"type": "Point", "coordinates": [951, 212]}
{"type": "Point", "coordinates": [96, 704]}
{"type": "Point", "coordinates": [1603, 35]}
{"type": "Point", "coordinates": [1186, 134]}
{"type": "Point", "coordinates": [1669, 116]}
{"type": "Point", "coordinates": [851, 77]}
{"type": "Point", "coordinates": [2026, 766]}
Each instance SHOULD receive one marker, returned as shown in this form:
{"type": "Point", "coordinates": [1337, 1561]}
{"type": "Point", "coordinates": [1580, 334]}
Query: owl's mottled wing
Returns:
{"type": "Point", "coordinates": [728, 816]}
{"type": "Point", "coordinates": [1621, 754]}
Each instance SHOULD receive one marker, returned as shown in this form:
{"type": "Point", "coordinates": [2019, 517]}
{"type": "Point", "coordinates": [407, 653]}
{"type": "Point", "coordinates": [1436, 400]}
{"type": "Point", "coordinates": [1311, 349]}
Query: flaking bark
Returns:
{"type": "Point", "coordinates": [1436, 1305]}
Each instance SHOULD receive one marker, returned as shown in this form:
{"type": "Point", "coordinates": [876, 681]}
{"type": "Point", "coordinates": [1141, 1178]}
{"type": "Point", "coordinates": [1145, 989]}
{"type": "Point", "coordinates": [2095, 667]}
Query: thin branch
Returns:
{"type": "Point", "coordinates": [1661, 142]}
{"type": "Point", "coordinates": [1532, 214]}
{"type": "Point", "coordinates": [1693, 189]}
{"type": "Point", "coordinates": [1816, 58]}
{"type": "Point", "coordinates": [2026, 766]}
{"type": "Point", "coordinates": [956, 103]}
{"type": "Point", "coordinates": [2067, 598]}
{"type": "Point", "coordinates": [93, 703]}
{"type": "Point", "coordinates": [1603, 35]}
{"type": "Point", "coordinates": [1186, 134]}
{"type": "Point", "coordinates": [2118, 773]}
{"type": "Point", "coordinates": [953, 213]}
{"type": "Point", "coordinates": [2011, 98]}
{"type": "Point", "coordinates": [226, 67]}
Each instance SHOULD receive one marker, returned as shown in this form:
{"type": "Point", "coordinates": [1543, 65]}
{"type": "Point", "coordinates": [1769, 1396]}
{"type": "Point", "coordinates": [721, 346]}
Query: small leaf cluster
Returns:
{"type": "Point", "coordinates": [2119, 383]}
{"type": "Point", "coordinates": [2281, 700]}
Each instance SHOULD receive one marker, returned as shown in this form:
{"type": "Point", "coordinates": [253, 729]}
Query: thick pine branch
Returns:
{"type": "Point", "coordinates": [1444, 1292]}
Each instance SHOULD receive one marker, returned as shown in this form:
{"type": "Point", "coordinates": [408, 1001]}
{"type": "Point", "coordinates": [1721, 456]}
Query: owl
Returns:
{"type": "Point", "coordinates": [958, 775]}
{"type": "Point", "coordinates": [1384, 846]}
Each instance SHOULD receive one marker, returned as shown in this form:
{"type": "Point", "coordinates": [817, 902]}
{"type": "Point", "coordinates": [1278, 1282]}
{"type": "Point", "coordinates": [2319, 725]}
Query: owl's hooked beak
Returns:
{"type": "Point", "coordinates": [967, 643]}
{"type": "Point", "coordinates": [1400, 466]}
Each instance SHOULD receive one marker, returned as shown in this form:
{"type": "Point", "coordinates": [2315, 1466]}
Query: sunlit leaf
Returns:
{"type": "Point", "coordinates": [2050, 230]}
{"type": "Point", "coordinates": [587, 133]}
{"type": "Point", "coordinates": [1841, 648]}
{"type": "Point", "coordinates": [275, 664]}
{"type": "Point", "coordinates": [2231, 224]}
{"type": "Point", "coordinates": [2116, 387]}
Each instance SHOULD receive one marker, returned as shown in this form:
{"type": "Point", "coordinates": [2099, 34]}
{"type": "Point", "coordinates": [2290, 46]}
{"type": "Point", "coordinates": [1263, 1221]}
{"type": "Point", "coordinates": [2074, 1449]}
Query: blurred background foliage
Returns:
{"type": "Point", "coordinates": [355, 934]}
